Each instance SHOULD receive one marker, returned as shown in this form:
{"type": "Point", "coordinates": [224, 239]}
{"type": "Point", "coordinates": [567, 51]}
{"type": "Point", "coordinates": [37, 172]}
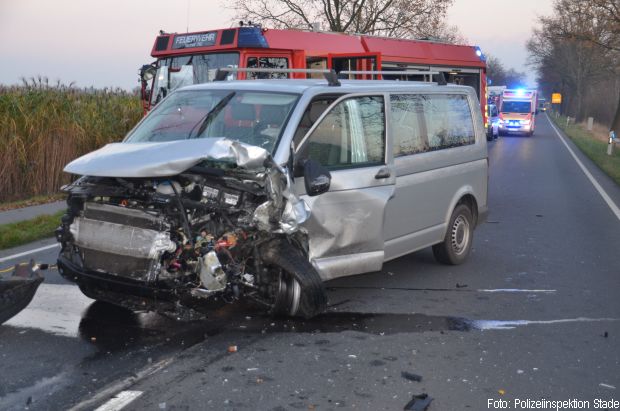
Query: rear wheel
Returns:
{"type": "Point", "coordinates": [456, 245]}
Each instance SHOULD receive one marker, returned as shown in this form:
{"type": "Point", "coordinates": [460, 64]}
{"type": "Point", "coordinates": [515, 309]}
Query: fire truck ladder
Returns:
{"type": "Point", "coordinates": [330, 75]}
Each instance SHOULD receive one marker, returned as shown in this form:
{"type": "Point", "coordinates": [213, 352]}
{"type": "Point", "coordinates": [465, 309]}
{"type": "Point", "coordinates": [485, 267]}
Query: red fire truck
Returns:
{"type": "Point", "coordinates": [191, 58]}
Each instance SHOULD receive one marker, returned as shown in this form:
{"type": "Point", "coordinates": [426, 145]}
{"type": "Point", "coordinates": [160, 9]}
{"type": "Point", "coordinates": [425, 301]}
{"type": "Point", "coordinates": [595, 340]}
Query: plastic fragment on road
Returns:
{"type": "Point", "coordinates": [501, 392]}
{"type": "Point", "coordinates": [411, 376]}
{"type": "Point", "coordinates": [17, 289]}
{"type": "Point", "coordinates": [232, 348]}
{"type": "Point", "coordinates": [611, 387]}
{"type": "Point", "coordinates": [418, 403]}
{"type": "Point", "coordinates": [461, 285]}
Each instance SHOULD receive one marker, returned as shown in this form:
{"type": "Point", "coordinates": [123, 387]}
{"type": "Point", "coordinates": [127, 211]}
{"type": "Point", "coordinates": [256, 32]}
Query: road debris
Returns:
{"type": "Point", "coordinates": [611, 387]}
{"type": "Point", "coordinates": [232, 348]}
{"type": "Point", "coordinates": [411, 376]}
{"type": "Point", "coordinates": [17, 290]}
{"type": "Point", "coordinates": [461, 285]}
{"type": "Point", "coordinates": [501, 392]}
{"type": "Point", "coordinates": [419, 403]}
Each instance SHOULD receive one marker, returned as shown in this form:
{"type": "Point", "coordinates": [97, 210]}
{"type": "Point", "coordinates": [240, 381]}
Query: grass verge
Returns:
{"type": "Point", "coordinates": [23, 232]}
{"type": "Point", "coordinates": [592, 147]}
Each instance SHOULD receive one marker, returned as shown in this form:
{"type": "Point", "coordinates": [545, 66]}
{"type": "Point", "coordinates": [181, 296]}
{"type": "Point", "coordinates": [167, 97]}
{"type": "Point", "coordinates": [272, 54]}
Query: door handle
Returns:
{"type": "Point", "coordinates": [383, 172]}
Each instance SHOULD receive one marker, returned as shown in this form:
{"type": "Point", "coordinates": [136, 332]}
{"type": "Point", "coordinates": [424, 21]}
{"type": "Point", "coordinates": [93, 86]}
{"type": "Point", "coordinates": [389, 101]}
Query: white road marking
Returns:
{"type": "Point", "coordinates": [34, 250]}
{"type": "Point", "coordinates": [510, 324]}
{"type": "Point", "coordinates": [121, 385]}
{"type": "Point", "coordinates": [614, 208]}
{"type": "Point", "coordinates": [119, 402]}
{"type": "Point", "coordinates": [55, 308]}
{"type": "Point", "coordinates": [514, 290]}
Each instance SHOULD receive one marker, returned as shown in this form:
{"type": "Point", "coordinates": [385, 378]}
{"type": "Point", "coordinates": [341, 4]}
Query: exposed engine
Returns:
{"type": "Point", "coordinates": [202, 234]}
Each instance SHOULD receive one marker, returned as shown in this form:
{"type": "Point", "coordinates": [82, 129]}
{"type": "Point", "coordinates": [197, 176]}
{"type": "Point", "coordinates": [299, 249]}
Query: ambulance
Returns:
{"type": "Point", "coordinates": [517, 112]}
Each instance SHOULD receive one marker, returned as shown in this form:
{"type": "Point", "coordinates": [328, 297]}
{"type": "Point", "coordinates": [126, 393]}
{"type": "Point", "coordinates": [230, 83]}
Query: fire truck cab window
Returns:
{"type": "Point", "coordinates": [267, 63]}
{"type": "Point", "coordinates": [175, 72]}
{"type": "Point", "coordinates": [351, 135]}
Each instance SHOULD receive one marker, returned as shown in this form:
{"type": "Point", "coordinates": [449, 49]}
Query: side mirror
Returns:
{"type": "Point", "coordinates": [147, 72]}
{"type": "Point", "coordinates": [316, 178]}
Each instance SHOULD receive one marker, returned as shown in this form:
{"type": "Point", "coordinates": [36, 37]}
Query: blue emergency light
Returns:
{"type": "Point", "coordinates": [479, 53]}
{"type": "Point", "coordinates": [251, 37]}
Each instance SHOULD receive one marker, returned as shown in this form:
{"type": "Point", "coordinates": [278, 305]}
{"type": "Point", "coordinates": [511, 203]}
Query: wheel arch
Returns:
{"type": "Point", "coordinates": [467, 197]}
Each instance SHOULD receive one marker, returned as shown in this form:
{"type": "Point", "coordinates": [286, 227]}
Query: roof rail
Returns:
{"type": "Point", "coordinates": [330, 75]}
{"type": "Point", "coordinates": [391, 72]}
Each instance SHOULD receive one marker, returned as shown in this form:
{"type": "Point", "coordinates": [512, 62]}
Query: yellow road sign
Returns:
{"type": "Point", "coordinates": [556, 98]}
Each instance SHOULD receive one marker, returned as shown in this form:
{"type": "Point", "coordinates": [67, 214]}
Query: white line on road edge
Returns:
{"type": "Point", "coordinates": [595, 183]}
{"type": "Point", "coordinates": [511, 324]}
{"type": "Point", "coordinates": [121, 385]}
{"type": "Point", "coordinates": [34, 250]}
{"type": "Point", "coordinates": [514, 290]}
{"type": "Point", "coordinates": [120, 401]}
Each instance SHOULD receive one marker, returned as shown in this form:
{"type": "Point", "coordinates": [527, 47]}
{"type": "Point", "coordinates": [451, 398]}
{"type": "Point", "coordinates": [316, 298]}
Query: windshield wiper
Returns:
{"type": "Point", "coordinates": [204, 122]}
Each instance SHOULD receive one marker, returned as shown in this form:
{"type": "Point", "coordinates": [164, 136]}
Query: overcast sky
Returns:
{"type": "Point", "coordinates": [103, 43]}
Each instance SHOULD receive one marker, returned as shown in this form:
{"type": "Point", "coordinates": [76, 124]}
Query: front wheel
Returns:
{"type": "Point", "coordinates": [297, 290]}
{"type": "Point", "coordinates": [456, 245]}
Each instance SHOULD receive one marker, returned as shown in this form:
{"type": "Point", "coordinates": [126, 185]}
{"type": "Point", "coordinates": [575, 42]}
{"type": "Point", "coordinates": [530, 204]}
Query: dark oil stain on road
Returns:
{"type": "Point", "coordinates": [379, 324]}
{"type": "Point", "coordinates": [112, 328]}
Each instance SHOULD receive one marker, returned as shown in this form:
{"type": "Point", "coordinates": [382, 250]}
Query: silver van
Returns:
{"type": "Point", "coordinates": [265, 189]}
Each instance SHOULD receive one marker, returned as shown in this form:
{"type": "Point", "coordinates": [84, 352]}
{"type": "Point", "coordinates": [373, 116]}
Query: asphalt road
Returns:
{"type": "Point", "coordinates": [534, 314]}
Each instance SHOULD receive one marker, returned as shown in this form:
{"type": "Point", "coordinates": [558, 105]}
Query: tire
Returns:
{"type": "Point", "coordinates": [297, 278]}
{"type": "Point", "coordinates": [456, 245]}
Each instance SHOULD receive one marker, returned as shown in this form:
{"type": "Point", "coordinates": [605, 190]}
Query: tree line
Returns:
{"type": "Point", "coordinates": [393, 18]}
{"type": "Point", "coordinates": [576, 52]}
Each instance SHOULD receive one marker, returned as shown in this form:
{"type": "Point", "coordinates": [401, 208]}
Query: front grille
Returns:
{"type": "Point", "coordinates": [121, 241]}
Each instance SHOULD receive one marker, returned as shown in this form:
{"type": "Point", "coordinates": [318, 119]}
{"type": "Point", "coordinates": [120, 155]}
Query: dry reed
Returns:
{"type": "Point", "coordinates": [43, 126]}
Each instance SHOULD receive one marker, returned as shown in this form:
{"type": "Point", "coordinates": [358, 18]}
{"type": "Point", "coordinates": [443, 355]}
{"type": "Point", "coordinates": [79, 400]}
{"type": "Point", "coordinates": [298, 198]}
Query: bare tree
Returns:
{"type": "Point", "coordinates": [577, 48]}
{"type": "Point", "coordinates": [402, 18]}
{"type": "Point", "coordinates": [500, 76]}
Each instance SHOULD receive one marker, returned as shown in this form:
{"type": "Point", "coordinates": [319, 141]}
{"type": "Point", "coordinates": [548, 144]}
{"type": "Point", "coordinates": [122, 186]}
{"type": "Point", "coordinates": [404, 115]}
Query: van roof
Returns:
{"type": "Point", "coordinates": [300, 86]}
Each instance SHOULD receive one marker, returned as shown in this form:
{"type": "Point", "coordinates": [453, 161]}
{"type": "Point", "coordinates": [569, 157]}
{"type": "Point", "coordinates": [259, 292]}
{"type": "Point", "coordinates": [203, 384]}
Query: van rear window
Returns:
{"type": "Point", "coordinates": [428, 122]}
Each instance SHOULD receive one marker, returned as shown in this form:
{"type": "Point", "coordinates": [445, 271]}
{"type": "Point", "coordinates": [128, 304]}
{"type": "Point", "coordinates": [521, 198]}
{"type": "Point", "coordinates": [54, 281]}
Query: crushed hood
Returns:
{"type": "Point", "coordinates": [165, 159]}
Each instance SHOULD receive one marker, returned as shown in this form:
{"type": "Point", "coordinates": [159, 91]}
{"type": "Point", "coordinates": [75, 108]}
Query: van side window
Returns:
{"type": "Point", "coordinates": [352, 134]}
{"type": "Point", "coordinates": [267, 63]}
{"type": "Point", "coordinates": [408, 134]}
{"type": "Point", "coordinates": [448, 120]}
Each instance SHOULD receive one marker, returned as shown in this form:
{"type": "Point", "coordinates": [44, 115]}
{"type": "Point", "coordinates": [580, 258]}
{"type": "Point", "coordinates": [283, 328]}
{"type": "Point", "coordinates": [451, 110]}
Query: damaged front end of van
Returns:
{"type": "Point", "coordinates": [178, 226]}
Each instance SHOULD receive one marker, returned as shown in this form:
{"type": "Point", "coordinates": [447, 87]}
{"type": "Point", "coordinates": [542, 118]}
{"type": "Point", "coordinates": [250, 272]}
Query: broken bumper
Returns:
{"type": "Point", "coordinates": [120, 290]}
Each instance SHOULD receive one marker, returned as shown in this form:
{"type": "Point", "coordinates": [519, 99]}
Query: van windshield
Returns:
{"type": "Point", "coordinates": [252, 117]}
{"type": "Point", "coordinates": [516, 107]}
